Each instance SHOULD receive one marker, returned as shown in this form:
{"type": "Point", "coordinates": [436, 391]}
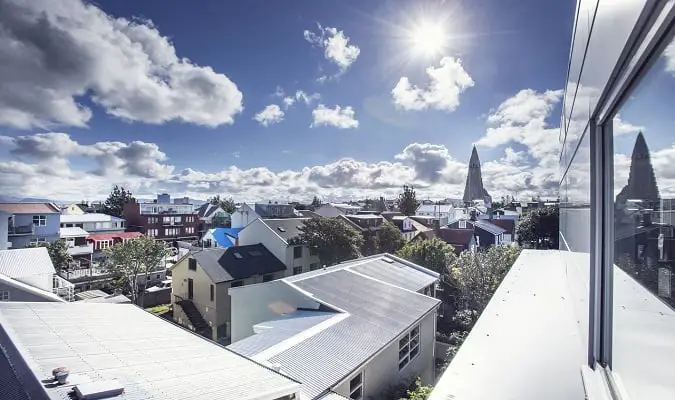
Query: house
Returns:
{"type": "Point", "coordinates": [460, 239]}
{"type": "Point", "coordinates": [93, 222]}
{"type": "Point", "coordinates": [327, 329]}
{"type": "Point", "coordinates": [110, 349]}
{"type": "Point", "coordinates": [102, 241]}
{"type": "Point", "coordinates": [509, 226]}
{"type": "Point", "coordinates": [212, 216]}
{"type": "Point", "coordinates": [73, 209]}
{"type": "Point", "coordinates": [367, 223]}
{"type": "Point", "coordinates": [221, 237]}
{"type": "Point", "coordinates": [31, 223]}
{"type": "Point", "coordinates": [486, 233]}
{"type": "Point", "coordinates": [275, 210]}
{"type": "Point", "coordinates": [502, 213]}
{"type": "Point", "coordinates": [408, 226]}
{"type": "Point", "coordinates": [163, 221]}
{"type": "Point", "coordinates": [444, 212]}
{"type": "Point", "coordinates": [244, 215]}
{"type": "Point", "coordinates": [200, 283]}
{"type": "Point", "coordinates": [280, 237]}
{"type": "Point", "coordinates": [335, 209]}
{"type": "Point", "coordinates": [78, 247]}
{"type": "Point", "coordinates": [429, 221]}
{"type": "Point", "coordinates": [29, 272]}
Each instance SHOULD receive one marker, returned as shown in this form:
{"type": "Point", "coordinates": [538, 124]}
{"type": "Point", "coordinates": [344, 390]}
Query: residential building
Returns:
{"type": "Point", "coordinates": [102, 241]}
{"type": "Point", "coordinates": [30, 267]}
{"type": "Point", "coordinates": [31, 223]}
{"type": "Point", "coordinates": [505, 214]}
{"type": "Point", "coordinates": [486, 233]}
{"type": "Point", "coordinates": [244, 215]}
{"type": "Point", "coordinates": [122, 351]}
{"type": "Point", "coordinates": [78, 247]}
{"type": "Point", "coordinates": [212, 216]}
{"type": "Point", "coordinates": [275, 210]}
{"type": "Point", "coordinates": [4, 229]}
{"type": "Point", "coordinates": [73, 209]}
{"type": "Point", "coordinates": [200, 283]}
{"type": "Point", "coordinates": [164, 198]}
{"type": "Point", "coordinates": [93, 222]}
{"type": "Point", "coordinates": [509, 226]}
{"type": "Point", "coordinates": [430, 221]}
{"type": "Point", "coordinates": [443, 212]}
{"type": "Point", "coordinates": [460, 239]}
{"type": "Point", "coordinates": [182, 200]}
{"type": "Point", "coordinates": [280, 237]}
{"type": "Point", "coordinates": [349, 331]}
{"type": "Point", "coordinates": [408, 226]}
{"type": "Point", "coordinates": [221, 237]}
{"type": "Point", "coordinates": [163, 221]}
{"type": "Point", "coordinates": [593, 319]}
{"type": "Point", "coordinates": [335, 209]}
{"type": "Point", "coordinates": [307, 214]}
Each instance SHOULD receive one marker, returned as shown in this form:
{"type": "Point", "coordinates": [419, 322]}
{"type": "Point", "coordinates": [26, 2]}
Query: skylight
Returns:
{"type": "Point", "coordinates": [238, 255]}
{"type": "Point", "coordinates": [255, 253]}
{"type": "Point", "coordinates": [281, 229]}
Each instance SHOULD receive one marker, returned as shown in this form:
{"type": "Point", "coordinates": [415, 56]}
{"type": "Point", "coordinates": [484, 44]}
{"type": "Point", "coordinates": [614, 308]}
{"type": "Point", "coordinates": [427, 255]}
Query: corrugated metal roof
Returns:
{"type": "Point", "coordinates": [241, 262]}
{"type": "Point", "coordinates": [30, 208]}
{"type": "Point", "coordinates": [19, 263]}
{"type": "Point", "coordinates": [26, 288]}
{"type": "Point", "coordinates": [90, 217]}
{"type": "Point", "coordinates": [72, 232]}
{"type": "Point", "coordinates": [332, 396]}
{"type": "Point", "coordinates": [490, 227]}
{"type": "Point", "coordinates": [396, 273]}
{"type": "Point", "coordinates": [150, 357]}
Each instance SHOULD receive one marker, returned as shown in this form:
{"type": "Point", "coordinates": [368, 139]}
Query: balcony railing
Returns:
{"type": "Point", "coordinates": [63, 288]}
{"type": "Point", "coordinates": [81, 249]}
{"type": "Point", "coordinates": [15, 230]}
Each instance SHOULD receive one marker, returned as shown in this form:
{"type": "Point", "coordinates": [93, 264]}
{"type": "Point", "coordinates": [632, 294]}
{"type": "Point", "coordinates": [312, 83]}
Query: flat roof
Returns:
{"type": "Point", "coordinates": [89, 217]}
{"type": "Point", "coordinates": [152, 358]}
{"type": "Point", "coordinates": [72, 232]}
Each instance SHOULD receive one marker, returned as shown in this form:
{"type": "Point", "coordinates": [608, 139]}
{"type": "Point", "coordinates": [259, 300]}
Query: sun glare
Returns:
{"type": "Point", "coordinates": [428, 38]}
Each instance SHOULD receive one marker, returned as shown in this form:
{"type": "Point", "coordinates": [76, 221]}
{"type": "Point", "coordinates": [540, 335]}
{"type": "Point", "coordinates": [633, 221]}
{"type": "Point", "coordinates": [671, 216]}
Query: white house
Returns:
{"type": "Point", "coordinates": [278, 237]}
{"type": "Point", "coordinates": [353, 330]}
{"type": "Point", "coordinates": [93, 222]}
{"type": "Point", "coordinates": [30, 270]}
{"type": "Point", "coordinates": [335, 209]}
{"type": "Point", "coordinates": [406, 225]}
{"type": "Point", "coordinates": [244, 215]}
{"type": "Point", "coordinates": [444, 212]}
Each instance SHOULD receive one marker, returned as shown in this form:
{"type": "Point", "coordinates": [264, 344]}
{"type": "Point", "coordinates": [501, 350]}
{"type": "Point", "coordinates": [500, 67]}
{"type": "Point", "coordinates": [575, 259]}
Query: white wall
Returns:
{"type": "Point", "coordinates": [382, 371]}
{"type": "Point", "coordinates": [244, 216]}
{"type": "Point", "coordinates": [4, 244]}
{"type": "Point", "coordinates": [42, 281]}
{"type": "Point", "coordinates": [252, 305]}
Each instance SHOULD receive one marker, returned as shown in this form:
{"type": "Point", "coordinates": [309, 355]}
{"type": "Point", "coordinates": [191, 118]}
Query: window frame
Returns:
{"type": "Point", "coordinates": [41, 220]}
{"type": "Point", "coordinates": [295, 251]}
{"type": "Point", "coordinates": [297, 267]}
{"type": "Point", "coordinates": [5, 295]}
{"type": "Point", "coordinates": [358, 387]}
{"type": "Point", "coordinates": [405, 342]}
{"type": "Point", "coordinates": [192, 264]}
{"type": "Point", "coordinates": [212, 292]}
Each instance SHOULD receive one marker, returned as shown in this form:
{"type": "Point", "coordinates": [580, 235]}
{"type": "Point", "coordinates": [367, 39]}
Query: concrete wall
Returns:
{"type": "Point", "coordinates": [254, 304]}
{"type": "Point", "coordinates": [382, 372]}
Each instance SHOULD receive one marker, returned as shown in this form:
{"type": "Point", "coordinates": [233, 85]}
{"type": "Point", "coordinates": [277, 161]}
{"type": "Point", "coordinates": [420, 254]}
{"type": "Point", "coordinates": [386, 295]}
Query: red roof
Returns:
{"type": "Point", "coordinates": [29, 208]}
{"type": "Point", "coordinates": [507, 224]}
{"type": "Point", "coordinates": [113, 236]}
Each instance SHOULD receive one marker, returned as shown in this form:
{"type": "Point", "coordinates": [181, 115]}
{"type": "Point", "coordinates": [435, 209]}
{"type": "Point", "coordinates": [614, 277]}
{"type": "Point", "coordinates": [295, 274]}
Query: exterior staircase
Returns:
{"type": "Point", "coordinates": [196, 319]}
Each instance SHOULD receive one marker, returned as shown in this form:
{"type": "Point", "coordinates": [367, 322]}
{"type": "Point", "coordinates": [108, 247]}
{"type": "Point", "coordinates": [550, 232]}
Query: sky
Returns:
{"type": "Point", "coordinates": [283, 100]}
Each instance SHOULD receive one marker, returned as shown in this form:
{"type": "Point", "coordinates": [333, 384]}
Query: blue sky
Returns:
{"type": "Point", "coordinates": [261, 47]}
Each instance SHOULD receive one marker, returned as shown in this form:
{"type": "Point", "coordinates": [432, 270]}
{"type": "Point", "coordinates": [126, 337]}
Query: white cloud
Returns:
{"type": "Point", "coordinates": [58, 51]}
{"type": "Point", "coordinates": [621, 127]}
{"type": "Point", "coordinates": [513, 157]}
{"type": "Point", "coordinates": [288, 101]}
{"type": "Point", "coordinates": [342, 118]}
{"type": "Point", "coordinates": [272, 114]}
{"type": "Point", "coordinates": [669, 54]}
{"type": "Point", "coordinates": [307, 98]}
{"type": "Point", "coordinates": [446, 83]}
{"type": "Point", "coordinates": [336, 47]}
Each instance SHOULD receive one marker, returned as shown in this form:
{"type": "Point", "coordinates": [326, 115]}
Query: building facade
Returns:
{"type": "Point", "coordinates": [163, 221]}
{"type": "Point", "coordinates": [93, 222]}
{"type": "Point", "coordinates": [31, 223]}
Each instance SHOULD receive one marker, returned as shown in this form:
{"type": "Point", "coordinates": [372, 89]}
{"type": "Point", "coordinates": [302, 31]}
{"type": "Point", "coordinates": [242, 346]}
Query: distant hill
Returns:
{"type": "Point", "coordinates": [12, 199]}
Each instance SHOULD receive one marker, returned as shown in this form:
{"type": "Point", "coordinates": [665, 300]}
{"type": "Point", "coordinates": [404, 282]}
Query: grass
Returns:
{"type": "Point", "coordinates": [158, 310]}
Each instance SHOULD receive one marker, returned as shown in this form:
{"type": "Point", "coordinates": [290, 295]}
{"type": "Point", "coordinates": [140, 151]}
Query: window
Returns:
{"type": "Point", "coordinates": [268, 277]}
{"type": "Point", "coordinates": [192, 264]}
{"type": "Point", "coordinates": [213, 290]}
{"type": "Point", "coordinates": [153, 220]}
{"type": "Point", "coordinates": [297, 270]}
{"type": "Point", "coordinates": [297, 252]}
{"type": "Point", "coordinates": [462, 224]}
{"type": "Point", "coordinates": [189, 229]}
{"type": "Point", "coordinates": [237, 283]}
{"type": "Point", "coordinates": [356, 387]}
{"type": "Point", "coordinates": [37, 241]}
{"type": "Point", "coordinates": [313, 251]}
{"type": "Point", "coordinates": [103, 244]}
{"type": "Point", "coordinates": [4, 296]}
{"type": "Point", "coordinates": [237, 255]}
{"type": "Point", "coordinates": [152, 232]}
{"type": "Point", "coordinates": [40, 220]}
{"type": "Point", "coordinates": [313, 266]}
{"type": "Point", "coordinates": [408, 347]}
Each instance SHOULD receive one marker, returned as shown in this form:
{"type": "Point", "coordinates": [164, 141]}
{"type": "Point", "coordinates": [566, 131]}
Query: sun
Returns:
{"type": "Point", "coordinates": [427, 38]}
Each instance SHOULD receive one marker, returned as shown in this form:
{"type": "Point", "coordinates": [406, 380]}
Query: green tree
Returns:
{"type": "Point", "coordinates": [58, 253]}
{"type": "Point", "coordinates": [227, 205]}
{"type": "Point", "coordinates": [407, 201]}
{"type": "Point", "coordinates": [433, 254]}
{"type": "Point", "coordinates": [371, 244]}
{"type": "Point", "coordinates": [334, 239]}
{"type": "Point", "coordinates": [316, 203]}
{"type": "Point", "coordinates": [114, 204]}
{"type": "Point", "coordinates": [419, 392]}
{"type": "Point", "coordinates": [390, 238]}
{"type": "Point", "coordinates": [133, 259]}
{"type": "Point", "coordinates": [539, 228]}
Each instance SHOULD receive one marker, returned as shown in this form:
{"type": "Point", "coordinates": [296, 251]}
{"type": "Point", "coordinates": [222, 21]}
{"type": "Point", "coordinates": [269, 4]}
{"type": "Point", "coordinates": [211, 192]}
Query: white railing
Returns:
{"type": "Point", "coordinates": [82, 249]}
{"type": "Point", "coordinates": [63, 288]}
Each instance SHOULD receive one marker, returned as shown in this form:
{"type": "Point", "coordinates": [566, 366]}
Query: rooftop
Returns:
{"type": "Point", "coordinates": [234, 263]}
{"type": "Point", "coordinates": [437, 208]}
{"type": "Point", "coordinates": [150, 357]}
{"type": "Point", "coordinates": [224, 236]}
{"type": "Point", "coordinates": [30, 208]}
{"type": "Point", "coordinates": [72, 232]}
{"type": "Point", "coordinates": [287, 228]}
{"type": "Point", "coordinates": [20, 263]}
{"type": "Point", "coordinates": [91, 217]}
{"type": "Point", "coordinates": [112, 236]}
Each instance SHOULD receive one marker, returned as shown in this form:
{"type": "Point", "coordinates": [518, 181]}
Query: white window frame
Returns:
{"type": "Point", "coordinates": [462, 224]}
{"type": "Point", "coordinates": [360, 386]}
{"type": "Point", "coordinates": [103, 244]}
{"type": "Point", "coordinates": [405, 345]}
{"type": "Point", "coordinates": [41, 220]}
{"type": "Point", "coordinates": [4, 295]}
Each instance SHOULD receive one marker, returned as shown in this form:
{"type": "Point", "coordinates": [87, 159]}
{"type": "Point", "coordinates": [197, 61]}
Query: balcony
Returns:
{"type": "Point", "coordinates": [21, 230]}
{"type": "Point", "coordinates": [63, 288]}
{"type": "Point", "coordinates": [75, 250]}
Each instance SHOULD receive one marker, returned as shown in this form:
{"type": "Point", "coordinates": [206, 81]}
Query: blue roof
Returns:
{"type": "Point", "coordinates": [225, 236]}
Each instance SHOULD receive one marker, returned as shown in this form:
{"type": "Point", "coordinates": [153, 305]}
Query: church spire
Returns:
{"type": "Point", "coordinates": [641, 179]}
{"type": "Point", "coordinates": [474, 180]}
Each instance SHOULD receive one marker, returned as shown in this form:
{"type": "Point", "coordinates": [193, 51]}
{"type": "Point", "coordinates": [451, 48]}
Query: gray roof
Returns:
{"type": "Point", "coordinates": [287, 228]}
{"type": "Point", "coordinates": [488, 226]}
{"type": "Point", "coordinates": [150, 357]}
{"type": "Point", "coordinates": [20, 263]}
{"type": "Point", "coordinates": [72, 232]}
{"type": "Point", "coordinates": [368, 324]}
{"type": "Point", "coordinates": [240, 262]}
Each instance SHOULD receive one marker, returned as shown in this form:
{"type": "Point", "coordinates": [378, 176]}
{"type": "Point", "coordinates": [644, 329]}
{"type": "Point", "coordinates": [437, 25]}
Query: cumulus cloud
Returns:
{"type": "Point", "coordinates": [56, 52]}
{"type": "Point", "coordinates": [446, 83]}
{"type": "Point", "coordinates": [433, 163]}
{"type": "Point", "coordinates": [300, 95]}
{"type": "Point", "coordinates": [342, 118]}
{"type": "Point", "coordinates": [621, 127]}
{"type": "Point", "coordinates": [336, 47]}
{"type": "Point", "coordinates": [272, 114]}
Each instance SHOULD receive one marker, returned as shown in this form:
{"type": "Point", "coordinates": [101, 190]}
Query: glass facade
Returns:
{"type": "Point", "coordinates": [617, 189]}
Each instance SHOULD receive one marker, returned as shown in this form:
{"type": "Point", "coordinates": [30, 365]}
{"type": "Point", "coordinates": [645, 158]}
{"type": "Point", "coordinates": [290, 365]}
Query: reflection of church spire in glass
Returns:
{"type": "Point", "coordinates": [474, 180]}
{"type": "Point", "coordinates": [641, 180]}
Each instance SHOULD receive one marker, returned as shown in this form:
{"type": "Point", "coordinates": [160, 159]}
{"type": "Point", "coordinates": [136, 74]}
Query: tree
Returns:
{"type": "Point", "coordinates": [407, 201]}
{"type": "Point", "coordinates": [371, 244]}
{"type": "Point", "coordinates": [227, 205]}
{"type": "Point", "coordinates": [334, 239]}
{"type": "Point", "coordinates": [58, 253]}
{"type": "Point", "coordinates": [135, 258]}
{"type": "Point", "coordinates": [114, 204]}
{"type": "Point", "coordinates": [419, 392]}
{"type": "Point", "coordinates": [390, 238]}
{"type": "Point", "coordinates": [316, 203]}
{"type": "Point", "coordinates": [539, 228]}
{"type": "Point", "coordinates": [433, 254]}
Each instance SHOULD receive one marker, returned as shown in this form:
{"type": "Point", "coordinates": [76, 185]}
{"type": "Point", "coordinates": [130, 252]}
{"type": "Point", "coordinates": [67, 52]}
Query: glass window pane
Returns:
{"type": "Point", "coordinates": [643, 350]}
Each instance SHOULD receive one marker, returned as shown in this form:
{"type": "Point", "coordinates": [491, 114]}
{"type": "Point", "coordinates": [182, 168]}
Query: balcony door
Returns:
{"type": "Point", "coordinates": [190, 289]}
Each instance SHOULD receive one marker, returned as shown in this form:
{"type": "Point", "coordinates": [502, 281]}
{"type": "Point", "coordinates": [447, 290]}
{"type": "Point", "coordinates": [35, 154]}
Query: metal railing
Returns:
{"type": "Point", "coordinates": [63, 288]}
{"type": "Point", "coordinates": [81, 249]}
{"type": "Point", "coordinates": [21, 229]}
